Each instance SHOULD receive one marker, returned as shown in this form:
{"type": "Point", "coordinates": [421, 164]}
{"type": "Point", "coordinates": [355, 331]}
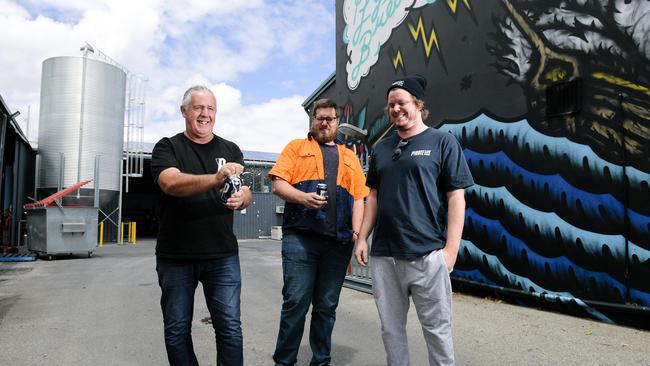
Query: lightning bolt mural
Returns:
{"type": "Point", "coordinates": [454, 3]}
{"type": "Point", "coordinates": [397, 60]}
{"type": "Point", "coordinates": [427, 42]}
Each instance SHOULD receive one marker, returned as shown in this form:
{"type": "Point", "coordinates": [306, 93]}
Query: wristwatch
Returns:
{"type": "Point", "coordinates": [355, 233]}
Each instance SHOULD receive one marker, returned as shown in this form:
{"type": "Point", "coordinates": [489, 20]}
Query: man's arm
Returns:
{"type": "Point", "coordinates": [357, 217]}
{"type": "Point", "coordinates": [455, 223]}
{"type": "Point", "coordinates": [175, 183]}
{"type": "Point", "coordinates": [369, 217]}
{"type": "Point", "coordinates": [359, 192]}
{"type": "Point", "coordinates": [289, 193]}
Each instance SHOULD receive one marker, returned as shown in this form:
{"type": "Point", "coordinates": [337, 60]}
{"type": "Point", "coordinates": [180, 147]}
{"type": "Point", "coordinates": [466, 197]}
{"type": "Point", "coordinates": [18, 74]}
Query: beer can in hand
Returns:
{"type": "Point", "coordinates": [321, 189]}
{"type": "Point", "coordinates": [231, 186]}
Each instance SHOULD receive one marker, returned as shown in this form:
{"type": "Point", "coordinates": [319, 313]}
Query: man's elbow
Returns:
{"type": "Point", "coordinates": [165, 187]}
{"type": "Point", "coordinates": [165, 181]}
{"type": "Point", "coordinates": [168, 188]}
{"type": "Point", "coordinates": [275, 186]}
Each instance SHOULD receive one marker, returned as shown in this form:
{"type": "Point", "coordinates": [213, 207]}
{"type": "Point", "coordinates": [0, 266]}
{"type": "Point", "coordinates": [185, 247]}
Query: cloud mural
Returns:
{"type": "Point", "coordinates": [369, 24]}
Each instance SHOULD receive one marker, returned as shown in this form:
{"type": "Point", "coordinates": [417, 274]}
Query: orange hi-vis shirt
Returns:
{"type": "Point", "coordinates": [301, 164]}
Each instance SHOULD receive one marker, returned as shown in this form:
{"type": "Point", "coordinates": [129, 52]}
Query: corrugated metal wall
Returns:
{"type": "Point", "coordinates": [23, 187]}
{"type": "Point", "coordinates": [17, 168]}
{"type": "Point", "coordinates": [81, 116]}
{"type": "Point", "coordinates": [257, 219]}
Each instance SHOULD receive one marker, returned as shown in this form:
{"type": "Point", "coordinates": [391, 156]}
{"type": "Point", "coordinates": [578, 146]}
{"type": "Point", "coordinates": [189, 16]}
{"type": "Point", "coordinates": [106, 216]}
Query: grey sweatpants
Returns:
{"type": "Point", "coordinates": [427, 281]}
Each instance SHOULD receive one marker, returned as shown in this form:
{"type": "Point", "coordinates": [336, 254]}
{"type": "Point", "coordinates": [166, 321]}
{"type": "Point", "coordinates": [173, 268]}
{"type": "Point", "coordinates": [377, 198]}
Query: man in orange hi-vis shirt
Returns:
{"type": "Point", "coordinates": [323, 185]}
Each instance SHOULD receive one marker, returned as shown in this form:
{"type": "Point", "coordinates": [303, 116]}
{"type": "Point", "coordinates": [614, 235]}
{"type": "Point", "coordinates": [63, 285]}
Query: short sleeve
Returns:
{"type": "Point", "coordinates": [238, 155]}
{"type": "Point", "coordinates": [360, 190]}
{"type": "Point", "coordinates": [455, 171]}
{"type": "Point", "coordinates": [284, 166]}
{"type": "Point", "coordinates": [162, 157]}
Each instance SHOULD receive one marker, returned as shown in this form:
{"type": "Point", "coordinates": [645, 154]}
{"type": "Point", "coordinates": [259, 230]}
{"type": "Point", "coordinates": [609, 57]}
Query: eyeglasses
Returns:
{"type": "Point", "coordinates": [398, 149]}
{"type": "Point", "coordinates": [325, 119]}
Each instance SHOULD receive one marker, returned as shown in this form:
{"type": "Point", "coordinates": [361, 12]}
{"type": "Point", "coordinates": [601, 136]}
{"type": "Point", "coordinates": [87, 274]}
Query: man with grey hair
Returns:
{"type": "Point", "coordinates": [196, 242]}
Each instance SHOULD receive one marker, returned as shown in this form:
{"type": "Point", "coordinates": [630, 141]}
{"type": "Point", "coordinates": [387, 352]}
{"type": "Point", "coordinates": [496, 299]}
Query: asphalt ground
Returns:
{"type": "Point", "coordinates": [105, 310]}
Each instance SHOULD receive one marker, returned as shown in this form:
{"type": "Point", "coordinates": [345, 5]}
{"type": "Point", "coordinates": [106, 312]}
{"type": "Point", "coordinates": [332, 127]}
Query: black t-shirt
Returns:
{"type": "Point", "coordinates": [331, 168]}
{"type": "Point", "coordinates": [411, 192]}
{"type": "Point", "coordinates": [200, 226]}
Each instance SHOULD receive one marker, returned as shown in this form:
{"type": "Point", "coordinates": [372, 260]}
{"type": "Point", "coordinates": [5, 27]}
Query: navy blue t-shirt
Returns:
{"type": "Point", "coordinates": [411, 192]}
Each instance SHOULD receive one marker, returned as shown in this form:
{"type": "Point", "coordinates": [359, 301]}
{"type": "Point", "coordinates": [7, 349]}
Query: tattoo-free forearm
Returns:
{"type": "Point", "coordinates": [357, 214]}
{"type": "Point", "coordinates": [287, 192]}
{"type": "Point", "coordinates": [455, 219]}
{"type": "Point", "coordinates": [369, 215]}
{"type": "Point", "coordinates": [178, 184]}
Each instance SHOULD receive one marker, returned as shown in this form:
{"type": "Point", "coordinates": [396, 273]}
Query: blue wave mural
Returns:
{"type": "Point", "coordinates": [577, 163]}
{"type": "Point", "coordinates": [551, 192]}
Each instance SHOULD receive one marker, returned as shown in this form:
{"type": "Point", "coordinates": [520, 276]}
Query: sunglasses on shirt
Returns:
{"type": "Point", "coordinates": [398, 149]}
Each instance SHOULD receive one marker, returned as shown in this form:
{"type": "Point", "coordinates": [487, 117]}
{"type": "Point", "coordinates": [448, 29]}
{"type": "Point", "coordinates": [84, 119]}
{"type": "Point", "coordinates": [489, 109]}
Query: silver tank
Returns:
{"type": "Point", "coordinates": [81, 116]}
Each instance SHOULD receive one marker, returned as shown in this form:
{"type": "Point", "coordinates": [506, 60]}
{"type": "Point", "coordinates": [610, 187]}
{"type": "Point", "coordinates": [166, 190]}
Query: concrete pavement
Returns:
{"type": "Point", "coordinates": [104, 311]}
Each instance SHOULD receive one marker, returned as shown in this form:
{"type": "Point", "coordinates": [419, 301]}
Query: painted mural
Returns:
{"type": "Point", "coordinates": [551, 102]}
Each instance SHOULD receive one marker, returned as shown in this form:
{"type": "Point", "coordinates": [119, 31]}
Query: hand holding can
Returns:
{"type": "Point", "coordinates": [321, 189]}
{"type": "Point", "coordinates": [230, 186]}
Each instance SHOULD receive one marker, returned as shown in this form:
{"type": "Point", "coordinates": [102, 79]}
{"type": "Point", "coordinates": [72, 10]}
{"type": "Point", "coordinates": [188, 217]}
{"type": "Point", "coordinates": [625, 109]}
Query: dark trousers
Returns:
{"type": "Point", "coordinates": [313, 268]}
{"type": "Point", "coordinates": [221, 280]}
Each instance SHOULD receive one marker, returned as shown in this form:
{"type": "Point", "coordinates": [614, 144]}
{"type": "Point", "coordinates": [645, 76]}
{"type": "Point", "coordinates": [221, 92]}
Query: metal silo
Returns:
{"type": "Point", "coordinates": [81, 131]}
{"type": "Point", "coordinates": [81, 117]}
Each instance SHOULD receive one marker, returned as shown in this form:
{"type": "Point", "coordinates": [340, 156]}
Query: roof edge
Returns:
{"type": "Point", "coordinates": [14, 124]}
{"type": "Point", "coordinates": [321, 88]}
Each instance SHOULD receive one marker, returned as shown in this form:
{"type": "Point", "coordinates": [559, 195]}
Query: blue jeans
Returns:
{"type": "Point", "coordinates": [313, 268]}
{"type": "Point", "coordinates": [221, 280]}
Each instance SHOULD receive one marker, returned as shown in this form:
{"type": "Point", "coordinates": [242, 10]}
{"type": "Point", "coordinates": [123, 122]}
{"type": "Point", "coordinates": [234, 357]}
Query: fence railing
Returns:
{"type": "Point", "coordinates": [359, 278]}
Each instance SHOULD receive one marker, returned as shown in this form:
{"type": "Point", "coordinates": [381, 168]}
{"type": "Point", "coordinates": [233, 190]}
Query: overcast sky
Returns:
{"type": "Point", "coordinates": [262, 58]}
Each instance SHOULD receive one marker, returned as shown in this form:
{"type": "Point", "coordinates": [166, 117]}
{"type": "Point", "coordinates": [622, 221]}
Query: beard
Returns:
{"type": "Point", "coordinates": [402, 125]}
{"type": "Point", "coordinates": [324, 136]}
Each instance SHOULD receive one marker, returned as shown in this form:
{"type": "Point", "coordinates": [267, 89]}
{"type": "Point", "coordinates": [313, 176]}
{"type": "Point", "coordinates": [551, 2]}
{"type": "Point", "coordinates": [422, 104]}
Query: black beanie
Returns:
{"type": "Point", "coordinates": [415, 84]}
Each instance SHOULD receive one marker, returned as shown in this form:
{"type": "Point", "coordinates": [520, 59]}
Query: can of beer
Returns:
{"type": "Point", "coordinates": [230, 186]}
{"type": "Point", "coordinates": [321, 189]}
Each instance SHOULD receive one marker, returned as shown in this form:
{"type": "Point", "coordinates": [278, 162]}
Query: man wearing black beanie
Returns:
{"type": "Point", "coordinates": [416, 209]}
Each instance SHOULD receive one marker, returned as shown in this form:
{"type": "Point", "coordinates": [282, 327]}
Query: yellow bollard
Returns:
{"type": "Point", "coordinates": [122, 233]}
{"type": "Point", "coordinates": [133, 234]}
{"type": "Point", "coordinates": [101, 234]}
